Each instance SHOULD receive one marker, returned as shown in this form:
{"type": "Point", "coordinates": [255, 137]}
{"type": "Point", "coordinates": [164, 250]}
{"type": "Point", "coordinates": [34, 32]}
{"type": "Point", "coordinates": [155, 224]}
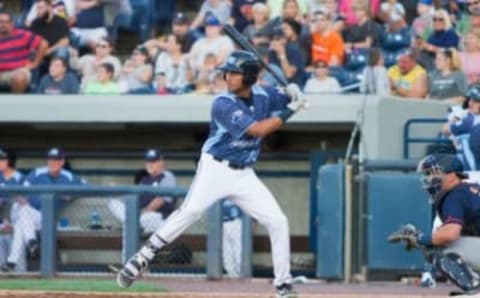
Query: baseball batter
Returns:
{"type": "Point", "coordinates": [241, 118]}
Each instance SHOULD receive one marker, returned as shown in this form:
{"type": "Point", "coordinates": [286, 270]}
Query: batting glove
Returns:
{"type": "Point", "coordinates": [294, 92]}
{"type": "Point", "coordinates": [298, 105]}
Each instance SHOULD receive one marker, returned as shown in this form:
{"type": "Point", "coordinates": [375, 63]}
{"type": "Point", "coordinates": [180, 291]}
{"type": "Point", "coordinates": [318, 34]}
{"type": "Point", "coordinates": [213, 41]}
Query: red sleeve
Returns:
{"type": "Point", "coordinates": [34, 40]}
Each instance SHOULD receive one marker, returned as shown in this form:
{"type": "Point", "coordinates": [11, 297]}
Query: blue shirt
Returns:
{"type": "Point", "coordinates": [464, 125]}
{"type": "Point", "coordinates": [444, 39]}
{"type": "Point", "coordinates": [461, 206]}
{"type": "Point", "coordinates": [295, 58]}
{"type": "Point", "coordinates": [165, 179]}
{"type": "Point", "coordinates": [231, 117]}
{"type": "Point", "coordinates": [41, 176]}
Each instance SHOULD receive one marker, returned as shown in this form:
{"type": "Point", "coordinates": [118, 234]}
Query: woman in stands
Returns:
{"type": "Point", "coordinates": [447, 82]}
{"type": "Point", "coordinates": [257, 32]}
{"type": "Point", "coordinates": [87, 65]}
{"type": "Point", "coordinates": [470, 57]}
{"type": "Point", "coordinates": [137, 73]}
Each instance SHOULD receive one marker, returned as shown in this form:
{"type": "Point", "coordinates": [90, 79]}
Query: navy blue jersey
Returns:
{"type": "Point", "coordinates": [166, 179]}
{"type": "Point", "coordinates": [41, 176]}
{"type": "Point", "coordinates": [461, 206]}
{"type": "Point", "coordinates": [464, 125]}
{"type": "Point", "coordinates": [231, 117]}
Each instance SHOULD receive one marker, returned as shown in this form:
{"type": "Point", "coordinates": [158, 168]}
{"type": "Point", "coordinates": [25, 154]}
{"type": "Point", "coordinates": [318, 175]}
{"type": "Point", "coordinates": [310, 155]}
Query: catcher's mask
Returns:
{"type": "Point", "coordinates": [433, 169]}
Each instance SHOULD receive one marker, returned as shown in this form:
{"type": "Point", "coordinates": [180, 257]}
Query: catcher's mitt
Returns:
{"type": "Point", "coordinates": [407, 235]}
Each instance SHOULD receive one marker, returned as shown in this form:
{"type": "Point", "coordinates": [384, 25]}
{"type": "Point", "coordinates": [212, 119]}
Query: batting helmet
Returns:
{"type": "Point", "coordinates": [433, 167]}
{"type": "Point", "coordinates": [245, 63]}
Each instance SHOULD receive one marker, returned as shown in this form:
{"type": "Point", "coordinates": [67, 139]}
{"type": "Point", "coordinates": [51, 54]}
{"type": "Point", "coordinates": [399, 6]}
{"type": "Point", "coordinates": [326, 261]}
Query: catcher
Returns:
{"type": "Point", "coordinates": [454, 247]}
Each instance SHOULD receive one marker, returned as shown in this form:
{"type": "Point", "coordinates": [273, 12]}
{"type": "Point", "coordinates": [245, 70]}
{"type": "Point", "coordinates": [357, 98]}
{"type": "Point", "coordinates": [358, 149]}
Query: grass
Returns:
{"type": "Point", "coordinates": [75, 285]}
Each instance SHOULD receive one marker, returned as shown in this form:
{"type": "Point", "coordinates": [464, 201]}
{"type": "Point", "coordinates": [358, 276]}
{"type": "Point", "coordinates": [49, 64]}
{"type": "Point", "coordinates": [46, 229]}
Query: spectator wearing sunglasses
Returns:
{"type": "Point", "coordinates": [87, 65]}
{"type": "Point", "coordinates": [443, 35]}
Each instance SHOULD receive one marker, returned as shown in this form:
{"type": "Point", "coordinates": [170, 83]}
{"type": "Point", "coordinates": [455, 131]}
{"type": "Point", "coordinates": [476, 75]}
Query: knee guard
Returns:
{"type": "Point", "coordinates": [456, 270]}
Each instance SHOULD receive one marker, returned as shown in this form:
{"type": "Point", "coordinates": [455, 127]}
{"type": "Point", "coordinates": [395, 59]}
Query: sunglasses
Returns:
{"type": "Point", "coordinates": [438, 19]}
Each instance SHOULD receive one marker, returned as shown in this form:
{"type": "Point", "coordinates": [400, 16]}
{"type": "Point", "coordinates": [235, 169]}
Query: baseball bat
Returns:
{"type": "Point", "coordinates": [243, 43]}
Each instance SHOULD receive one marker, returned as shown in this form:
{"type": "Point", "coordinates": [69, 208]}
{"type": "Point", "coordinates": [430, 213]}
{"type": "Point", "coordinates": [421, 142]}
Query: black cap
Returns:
{"type": "Point", "coordinates": [143, 50]}
{"type": "Point", "coordinates": [55, 153]}
{"type": "Point", "coordinates": [180, 19]}
{"type": "Point", "coordinates": [153, 154]}
{"type": "Point", "coordinates": [3, 154]}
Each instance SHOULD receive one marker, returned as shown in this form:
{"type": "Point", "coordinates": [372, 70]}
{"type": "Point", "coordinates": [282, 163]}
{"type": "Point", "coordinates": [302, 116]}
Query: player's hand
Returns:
{"type": "Point", "coordinates": [298, 105]}
{"type": "Point", "coordinates": [294, 92]}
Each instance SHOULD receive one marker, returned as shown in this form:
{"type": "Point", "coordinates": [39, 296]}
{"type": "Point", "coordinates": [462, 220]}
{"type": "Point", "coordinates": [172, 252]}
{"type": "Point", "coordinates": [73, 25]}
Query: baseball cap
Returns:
{"type": "Point", "coordinates": [3, 154]}
{"type": "Point", "coordinates": [55, 153]}
{"type": "Point", "coordinates": [180, 19]}
{"type": "Point", "coordinates": [141, 49]}
{"type": "Point", "coordinates": [153, 154]}
{"type": "Point", "coordinates": [211, 20]}
{"type": "Point", "coordinates": [473, 93]}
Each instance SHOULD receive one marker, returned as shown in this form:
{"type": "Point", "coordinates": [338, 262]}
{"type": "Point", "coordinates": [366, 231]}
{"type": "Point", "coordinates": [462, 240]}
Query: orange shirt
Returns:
{"type": "Point", "coordinates": [326, 46]}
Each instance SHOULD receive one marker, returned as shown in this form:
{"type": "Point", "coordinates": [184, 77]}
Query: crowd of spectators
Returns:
{"type": "Point", "coordinates": [414, 49]}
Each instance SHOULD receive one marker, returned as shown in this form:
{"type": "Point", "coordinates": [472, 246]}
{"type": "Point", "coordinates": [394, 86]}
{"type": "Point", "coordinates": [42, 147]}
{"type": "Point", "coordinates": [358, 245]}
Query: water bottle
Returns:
{"type": "Point", "coordinates": [95, 220]}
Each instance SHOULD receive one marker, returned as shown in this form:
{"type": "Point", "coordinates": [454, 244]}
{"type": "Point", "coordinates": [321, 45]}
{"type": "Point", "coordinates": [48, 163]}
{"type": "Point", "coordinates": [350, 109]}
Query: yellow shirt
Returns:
{"type": "Point", "coordinates": [405, 81]}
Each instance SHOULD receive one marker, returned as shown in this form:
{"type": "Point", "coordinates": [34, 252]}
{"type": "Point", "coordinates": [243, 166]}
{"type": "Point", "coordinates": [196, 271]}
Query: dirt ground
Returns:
{"type": "Point", "coordinates": [200, 288]}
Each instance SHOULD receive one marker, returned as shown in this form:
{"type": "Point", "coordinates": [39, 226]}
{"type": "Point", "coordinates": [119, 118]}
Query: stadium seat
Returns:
{"type": "Point", "coordinates": [356, 59]}
{"type": "Point", "coordinates": [391, 57]}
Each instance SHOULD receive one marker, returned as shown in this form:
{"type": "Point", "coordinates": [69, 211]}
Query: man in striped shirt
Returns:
{"type": "Point", "coordinates": [16, 48]}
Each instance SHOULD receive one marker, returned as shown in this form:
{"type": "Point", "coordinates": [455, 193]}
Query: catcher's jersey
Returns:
{"type": "Point", "coordinates": [462, 206]}
{"type": "Point", "coordinates": [231, 117]}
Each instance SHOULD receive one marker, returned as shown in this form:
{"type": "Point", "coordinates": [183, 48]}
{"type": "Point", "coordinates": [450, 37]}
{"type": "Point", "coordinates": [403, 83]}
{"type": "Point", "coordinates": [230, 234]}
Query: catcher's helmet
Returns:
{"type": "Point", "coordinates": [433, 167]}
{"type": "Point", "coordinates": [245, 63]}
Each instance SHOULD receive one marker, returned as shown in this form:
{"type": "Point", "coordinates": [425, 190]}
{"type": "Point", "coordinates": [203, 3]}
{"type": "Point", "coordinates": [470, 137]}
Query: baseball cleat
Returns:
{"type": "Point", "coordinates": [135, 266]}
{"type": "Point", "coordinates": [285, 291]}
{"type": "Point", "coordinates": [7, 267]}
{"type": "Point", "coordinates": [124, 280]}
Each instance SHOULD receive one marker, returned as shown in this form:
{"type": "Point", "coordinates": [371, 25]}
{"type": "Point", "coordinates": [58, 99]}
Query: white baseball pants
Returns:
{"type": "Point", "coordinates": [232, 247]}
{"type": "Point", "coordinates": [214, 181]}
{"type": "Point", "coordinates": [26, 221]}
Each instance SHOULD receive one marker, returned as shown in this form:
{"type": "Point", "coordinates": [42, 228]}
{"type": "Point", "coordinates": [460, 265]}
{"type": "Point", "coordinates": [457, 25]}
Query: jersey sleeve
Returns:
{"type": "Point", "coordinates": [462, 126]}
{"type": "Point", "coordinates": [278, 99]}
{"type": "Point", "coordinates": [452, 211]}
{"type": "Point", "coordinates": [168, 181]}
{"type": "Point", "coordinates": [230, 117]}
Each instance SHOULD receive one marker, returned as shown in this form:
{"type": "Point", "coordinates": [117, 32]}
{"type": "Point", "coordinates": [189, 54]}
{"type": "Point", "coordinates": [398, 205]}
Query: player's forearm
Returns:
{"type": "Point", "coordinates": [265, 127]}
{"type": "Point", "coordinates": [154, 205]}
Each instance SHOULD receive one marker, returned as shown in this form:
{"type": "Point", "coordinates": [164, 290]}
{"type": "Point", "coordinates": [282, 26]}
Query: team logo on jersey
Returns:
{"type": "Point", "coordinates": [236, 116]}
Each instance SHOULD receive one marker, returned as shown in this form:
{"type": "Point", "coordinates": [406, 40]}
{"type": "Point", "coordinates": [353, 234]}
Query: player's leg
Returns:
{"type": "Point", "coordinates": [459, 262]}
{"type": "Point", "coordinates": [28, 221]}
{"type": "Point", "coordinates": [232, 248]}
{"type": "Point", "coordinates": [117, 208]}
{"type": "Point", "coordinates": [151, 221]}
{"type": "Point", "coordinates": [255, 199]}
{"type": "Point", "coordinates": [211, 184]}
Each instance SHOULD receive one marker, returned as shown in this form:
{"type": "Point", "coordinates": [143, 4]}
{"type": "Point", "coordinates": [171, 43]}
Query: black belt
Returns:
{"type": "Point", "coordinates": [231, 165]}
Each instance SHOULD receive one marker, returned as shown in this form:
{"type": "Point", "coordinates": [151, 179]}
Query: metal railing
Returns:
{"type": "Point", "coordinates": [407, 139]}
{"type": "Point", "coordinates": [48, 232]}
